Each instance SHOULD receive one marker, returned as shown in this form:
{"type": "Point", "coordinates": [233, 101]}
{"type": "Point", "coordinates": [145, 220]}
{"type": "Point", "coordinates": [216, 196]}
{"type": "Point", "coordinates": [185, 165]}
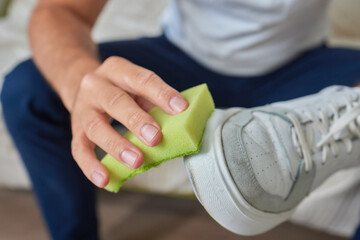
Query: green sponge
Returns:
{"type": "Point", "coordinates": [182, 135]}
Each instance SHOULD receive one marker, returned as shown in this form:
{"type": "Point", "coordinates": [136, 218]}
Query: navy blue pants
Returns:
{"type": "Point", "coordinates": [40, 125]}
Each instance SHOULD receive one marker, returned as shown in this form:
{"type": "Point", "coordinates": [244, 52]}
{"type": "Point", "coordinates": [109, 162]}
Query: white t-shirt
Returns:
{"type": "Point", "coordinates": [245, 37]}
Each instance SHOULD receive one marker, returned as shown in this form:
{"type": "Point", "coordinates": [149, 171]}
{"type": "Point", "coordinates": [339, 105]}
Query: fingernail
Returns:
{"type": "Point", "coordinates": [178, 104]}
{"type": "Point", "coordinates": [149, 132]}
{"type": "Point", "coordinates": [129, 157]}
{"type": "Point", "coordinates": [97, 178]}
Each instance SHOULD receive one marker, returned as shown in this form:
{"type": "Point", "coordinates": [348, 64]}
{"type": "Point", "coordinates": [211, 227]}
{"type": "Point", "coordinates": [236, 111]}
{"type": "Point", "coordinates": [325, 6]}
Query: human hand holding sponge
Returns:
{"type": "Point", "coordinates": [182, 135]}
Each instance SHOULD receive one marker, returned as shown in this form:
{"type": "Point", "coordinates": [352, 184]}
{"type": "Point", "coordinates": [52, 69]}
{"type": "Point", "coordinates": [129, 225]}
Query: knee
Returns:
{"type": "Point", "coordinates": [14, 87]}
{"type": "Point", "coordinates": [23, 86]}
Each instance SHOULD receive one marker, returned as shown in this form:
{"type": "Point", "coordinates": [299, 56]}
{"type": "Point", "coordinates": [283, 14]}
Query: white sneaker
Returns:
{"type": "Point", "coordinates": [256, 165]}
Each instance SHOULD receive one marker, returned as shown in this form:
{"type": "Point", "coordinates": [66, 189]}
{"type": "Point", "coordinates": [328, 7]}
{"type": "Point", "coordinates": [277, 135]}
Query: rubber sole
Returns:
{"type": "Point", "coordinates": [216, 190]}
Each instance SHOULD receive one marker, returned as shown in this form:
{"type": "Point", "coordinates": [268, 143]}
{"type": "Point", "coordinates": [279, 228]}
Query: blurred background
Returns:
{"type": "Point", "coordinates": [167, 210]}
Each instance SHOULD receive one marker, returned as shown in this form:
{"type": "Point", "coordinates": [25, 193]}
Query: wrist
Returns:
{"type": "Point", "coordinates": [70, 85]}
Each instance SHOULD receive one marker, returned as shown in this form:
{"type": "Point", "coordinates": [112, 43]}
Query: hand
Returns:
{"type": "Point", "coordinates": [123, 91]}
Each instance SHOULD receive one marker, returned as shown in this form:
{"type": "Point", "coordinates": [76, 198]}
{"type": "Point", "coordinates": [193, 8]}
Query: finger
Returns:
{"type": "Point", "coordinates": [140, 81]}
{"type": "Point", "coordinates": [121, 107]}
{"type": "Point", "coordinates": [99, 131]}
{"type": "Point", "coordinates": [83, 153]}
{"type": "Point", "coordinates": [144, 104]}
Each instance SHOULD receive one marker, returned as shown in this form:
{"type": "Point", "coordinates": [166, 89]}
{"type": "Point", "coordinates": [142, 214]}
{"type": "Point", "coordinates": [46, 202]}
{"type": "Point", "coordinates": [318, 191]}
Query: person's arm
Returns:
{"type": "Point", "coordinates": [94, 92]}
{"type": "Point", "coordinates": [60, 39]}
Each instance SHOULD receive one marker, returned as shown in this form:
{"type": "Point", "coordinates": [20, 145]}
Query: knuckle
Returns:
{"type": "Point", "coordinates": [91, 127]}
{"type": "Point", "coordinates": [112, 146]}
{"type": "Point", "coordinates": [165, 94]}
{"type": "Point", "coordinates": [135, 119]}
{"type": "Point", "coordinates": [112, 60]}
{"type": "Point", "coordinates": [146, 78]}
{"type": "Point", "coordinates": [116, 98]}
{"type": "Point", "coordinates": [88, 81]}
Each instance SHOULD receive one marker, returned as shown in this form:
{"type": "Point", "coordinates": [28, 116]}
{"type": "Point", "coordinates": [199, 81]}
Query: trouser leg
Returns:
{"type": "Point", "coordinates": [40, 127]}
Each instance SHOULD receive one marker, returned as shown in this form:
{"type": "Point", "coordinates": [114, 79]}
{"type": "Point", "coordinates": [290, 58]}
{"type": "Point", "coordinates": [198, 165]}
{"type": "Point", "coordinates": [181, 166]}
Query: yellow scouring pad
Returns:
{"type": "Point", "coordinates": [182, 135]}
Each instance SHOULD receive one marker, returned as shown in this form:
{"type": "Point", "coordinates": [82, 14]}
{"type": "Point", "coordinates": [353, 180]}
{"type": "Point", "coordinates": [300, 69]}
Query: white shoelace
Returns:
{"type": "Point", "coordinates": [349, 120]}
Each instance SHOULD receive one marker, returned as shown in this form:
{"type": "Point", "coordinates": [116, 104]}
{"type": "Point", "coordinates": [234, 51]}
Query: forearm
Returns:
{"type": "Point", "coordinates": [62, 49]}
